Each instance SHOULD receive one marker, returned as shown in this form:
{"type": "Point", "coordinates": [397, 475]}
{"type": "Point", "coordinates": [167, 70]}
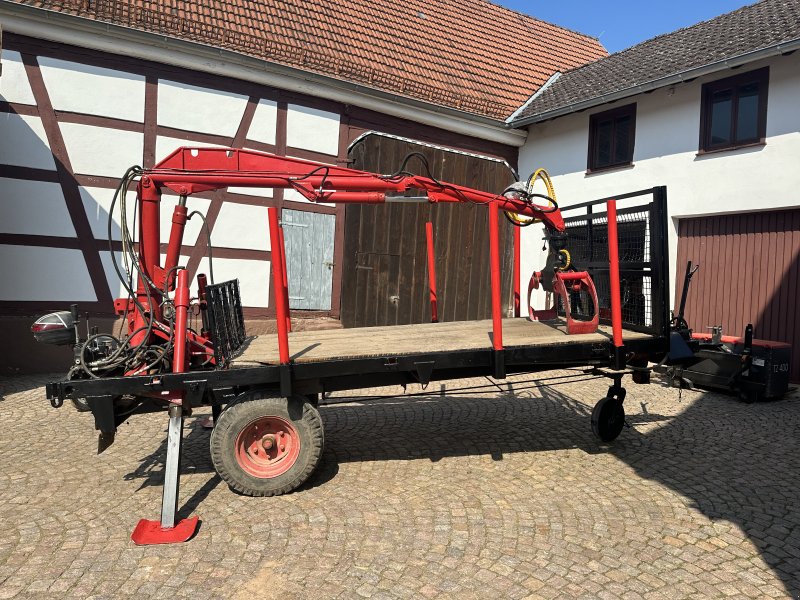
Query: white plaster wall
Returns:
{"type": "Point", "coordinates": [33, 207]}
{"type": "Point", "coordinates": [242, 226]}
{"type": "Point", "coordinates": [665, 153]}
{"type": "Point", "coordinates": [80, 88]}
{"type": "Point", "coordinates": [97, 203]}
{"type": "Point", "coordinates": [265, 122]}
{"type": "Point", "coordinates": [312, 129]}
{"type": "Point", "coordinates": [253, 275]}
{"type": "Point", "coordinates": [24, 142]}
{"type": "Point", "coordinates": [194, 226]}
{"type": "Point", "coordinates": [200, 109]}
{"type": "Point", "coordinates": [248, 191]}
{"type": "Point", "coordinates": [49, 274]}
{"type": "Point", "coordinates": [100, 150]}
{"type": "Point", "coordinates": [114, 283]}
{"type": "Point", "coordinates": [14, 85]}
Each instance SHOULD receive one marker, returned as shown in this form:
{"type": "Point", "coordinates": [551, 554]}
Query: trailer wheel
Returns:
{"type": "Point", "coordinates": [608, 419]}
{"type": "Point", "coordinates": [264, 446]}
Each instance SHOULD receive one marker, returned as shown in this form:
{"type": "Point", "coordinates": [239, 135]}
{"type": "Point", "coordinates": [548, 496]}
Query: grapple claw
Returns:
{"type": "Point", "coordinates": [578, 281]}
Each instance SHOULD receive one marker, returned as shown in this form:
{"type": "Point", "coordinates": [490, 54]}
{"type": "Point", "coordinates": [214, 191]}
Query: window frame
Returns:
{"type": "Point", "coordinates": [594, 121]}
{"type": "Point", "coordinates": [760, 76]}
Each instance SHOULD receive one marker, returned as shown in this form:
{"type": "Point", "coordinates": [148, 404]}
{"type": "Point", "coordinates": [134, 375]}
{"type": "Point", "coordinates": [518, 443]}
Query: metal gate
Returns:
{"type": "Point", "coordinates": [309, 258]}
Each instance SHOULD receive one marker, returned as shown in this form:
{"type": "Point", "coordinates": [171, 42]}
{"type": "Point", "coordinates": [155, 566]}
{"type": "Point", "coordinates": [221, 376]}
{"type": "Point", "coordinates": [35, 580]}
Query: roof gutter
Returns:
{"type": "Point", "coordinates": [715, 67]}
{"type": "Point", "coordinates": [553, 78]}
{"type": "Point", "coordinates": [115, 39]}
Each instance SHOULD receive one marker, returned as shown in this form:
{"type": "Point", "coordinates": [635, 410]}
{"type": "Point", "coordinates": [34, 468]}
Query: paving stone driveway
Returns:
{"type": "Point", "coordinates": [501, 494]}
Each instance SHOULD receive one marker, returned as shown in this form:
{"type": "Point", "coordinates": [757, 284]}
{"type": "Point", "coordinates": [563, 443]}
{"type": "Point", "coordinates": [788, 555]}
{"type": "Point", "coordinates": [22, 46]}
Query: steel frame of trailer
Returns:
{"type": "Point", "coordinates": [220, 387]}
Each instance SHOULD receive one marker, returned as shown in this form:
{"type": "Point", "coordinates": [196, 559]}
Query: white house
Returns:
{"type": "Point", "coordinates": [712, 112]}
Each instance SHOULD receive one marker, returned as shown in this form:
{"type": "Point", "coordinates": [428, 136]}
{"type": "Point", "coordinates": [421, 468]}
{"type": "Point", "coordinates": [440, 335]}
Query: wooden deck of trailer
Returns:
{"type": "Point", "coordinates": [405, 340]}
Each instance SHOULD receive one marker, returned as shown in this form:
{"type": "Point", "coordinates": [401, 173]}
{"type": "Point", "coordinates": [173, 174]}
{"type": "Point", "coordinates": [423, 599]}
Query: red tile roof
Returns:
{"type": "Point", "coordinates": [466, 54]}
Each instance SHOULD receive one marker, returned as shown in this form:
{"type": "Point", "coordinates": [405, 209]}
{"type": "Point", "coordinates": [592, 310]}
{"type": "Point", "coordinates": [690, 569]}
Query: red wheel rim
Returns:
{"type": "Point", "coordinates": [267, 447]}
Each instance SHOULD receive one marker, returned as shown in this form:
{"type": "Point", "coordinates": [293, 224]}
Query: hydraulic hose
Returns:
{"type": "Point", "coordinates": [551, 196]}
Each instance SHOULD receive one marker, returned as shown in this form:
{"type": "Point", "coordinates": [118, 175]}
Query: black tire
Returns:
{"type": "Point", "coordinates": [608, 419]}
{"type": "Point", "coordinates": [81, 404]}
{"type": "Point", "coordinates": [231, 455]}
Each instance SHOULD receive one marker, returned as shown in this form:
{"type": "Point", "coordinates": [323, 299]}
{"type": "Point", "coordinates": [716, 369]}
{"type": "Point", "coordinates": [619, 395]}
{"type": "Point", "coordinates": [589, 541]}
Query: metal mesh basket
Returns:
{"type": "Point", "coordinates": [225, 319]}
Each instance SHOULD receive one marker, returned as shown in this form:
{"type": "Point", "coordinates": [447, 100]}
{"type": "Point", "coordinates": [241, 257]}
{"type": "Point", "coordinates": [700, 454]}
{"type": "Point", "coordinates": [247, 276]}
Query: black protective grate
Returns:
{"type": "Point", "coordinates": [225, 319]}
{"type": "Point", "coordinates": [642, 250]}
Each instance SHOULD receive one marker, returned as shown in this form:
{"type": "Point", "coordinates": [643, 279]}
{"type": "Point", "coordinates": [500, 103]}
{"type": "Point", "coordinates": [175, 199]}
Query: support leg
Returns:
{"type": "Point", "coordinates": [172, 469]}
{"type": "Point", "coordinates": [167, 531]}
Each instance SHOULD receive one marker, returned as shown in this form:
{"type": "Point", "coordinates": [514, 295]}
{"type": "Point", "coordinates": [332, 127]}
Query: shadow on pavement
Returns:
{"type": "Point", "coordinates": [735, 462]}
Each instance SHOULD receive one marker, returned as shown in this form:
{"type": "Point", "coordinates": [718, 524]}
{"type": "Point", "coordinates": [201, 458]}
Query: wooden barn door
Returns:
{"type": "Point", "coordinates": [749, 273]}
{"type": "Point", "coordinates": [384, 279]}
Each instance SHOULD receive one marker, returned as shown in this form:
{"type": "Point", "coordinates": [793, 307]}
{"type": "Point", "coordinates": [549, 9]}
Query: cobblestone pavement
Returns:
{"type": "Point", "coordinates": [501, 494]}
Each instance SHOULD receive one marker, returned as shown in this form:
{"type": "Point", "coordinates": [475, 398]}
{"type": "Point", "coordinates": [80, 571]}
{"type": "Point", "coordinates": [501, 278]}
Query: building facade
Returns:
{"type": "Point", "coordinates": [90, 89]}
{"type": "Point", "coordinates": [721, 132]}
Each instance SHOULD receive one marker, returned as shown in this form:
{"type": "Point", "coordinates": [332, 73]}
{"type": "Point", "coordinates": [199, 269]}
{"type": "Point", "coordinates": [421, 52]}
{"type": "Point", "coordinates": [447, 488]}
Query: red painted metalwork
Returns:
{"type": "Point", "coordinates": [267, 447]}
{"type": "Point", "coordinates": [202, 300]}
{"type": "Point", "coordinates": [278, 285]}
{"type": "Point", "coordinates": [517, 268]}
{"type": "Point", "coordinates": [191, 170]}
{"type": "Point", "coordinates": [494, 260]}
{"type": "Point", "coordinates": [613, 260]}
{"type": "Point", "coordinates": [179, 363]}
{"type": "Point", "coordinates": [149, 226]}
{"type": "Point", "coordinates": [565, 283]}
{"type": "Point", "coordinates": [149, 532]}
{"type": "Point", "coordinates": [166, 277]}
{"type": "Point", "coordinates": [432, 272]}
{"type": "Point", "coordinates": [735, 339]}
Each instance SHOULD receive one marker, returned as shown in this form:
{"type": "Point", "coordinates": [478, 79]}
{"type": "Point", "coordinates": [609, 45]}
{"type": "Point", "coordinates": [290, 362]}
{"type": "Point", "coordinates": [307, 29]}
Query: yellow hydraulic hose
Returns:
{"type": "Point", "coordinates": [551, 193]}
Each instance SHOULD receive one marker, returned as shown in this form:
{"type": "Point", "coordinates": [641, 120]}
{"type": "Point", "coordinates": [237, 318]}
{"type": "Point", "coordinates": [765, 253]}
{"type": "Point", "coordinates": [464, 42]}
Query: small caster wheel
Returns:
{"type": "Point", "coordinates": [608, 419]}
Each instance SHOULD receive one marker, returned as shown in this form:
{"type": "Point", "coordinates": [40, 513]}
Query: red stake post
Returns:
{"type": "Point", "coordinates": [279, 285]}
{"type": "Point", "coordinates": [432, 273]}
{"type": "Point", "coordinates": [616, 301]}
{"type": "Point", "coordinates": [497, 315]}
{"type": "Point", "coordinates": [517, 267]}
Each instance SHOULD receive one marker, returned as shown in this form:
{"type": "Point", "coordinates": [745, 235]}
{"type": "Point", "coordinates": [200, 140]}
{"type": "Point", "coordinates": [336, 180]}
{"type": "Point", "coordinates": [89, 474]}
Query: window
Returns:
{"type": "Point", "coordinates": [611, 135]}
{"type": "Point", "coordinates": [734, 111]}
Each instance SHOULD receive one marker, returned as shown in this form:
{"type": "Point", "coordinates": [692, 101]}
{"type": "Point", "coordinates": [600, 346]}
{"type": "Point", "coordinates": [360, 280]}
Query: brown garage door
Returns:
{"type": "Point", "coordinates": [749, 273]}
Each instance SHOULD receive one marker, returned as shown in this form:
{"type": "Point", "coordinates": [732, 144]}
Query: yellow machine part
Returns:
{"type": "Point", "coordinates": [551, 193]}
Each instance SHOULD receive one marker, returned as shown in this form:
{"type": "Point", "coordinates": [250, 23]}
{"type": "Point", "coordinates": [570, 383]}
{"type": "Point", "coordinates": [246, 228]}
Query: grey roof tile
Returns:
{"type": "Point", "coordinates": [747, 29]}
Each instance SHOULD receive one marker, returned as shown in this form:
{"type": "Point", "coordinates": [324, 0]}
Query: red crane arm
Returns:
{"type": "Point", "coordinates": [190, 170]}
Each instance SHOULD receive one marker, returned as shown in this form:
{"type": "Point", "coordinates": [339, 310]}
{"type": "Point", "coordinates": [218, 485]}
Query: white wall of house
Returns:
{"type": "Point", "coordinates": [188, 112]}
{"type": "Point", "coordinates": [665, 153]}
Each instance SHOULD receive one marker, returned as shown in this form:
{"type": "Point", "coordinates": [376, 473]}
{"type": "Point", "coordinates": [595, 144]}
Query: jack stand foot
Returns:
{"type": "Point", "coordinates": [149, 532]}
{"type": "Point", "coordinates": [166, 530]}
